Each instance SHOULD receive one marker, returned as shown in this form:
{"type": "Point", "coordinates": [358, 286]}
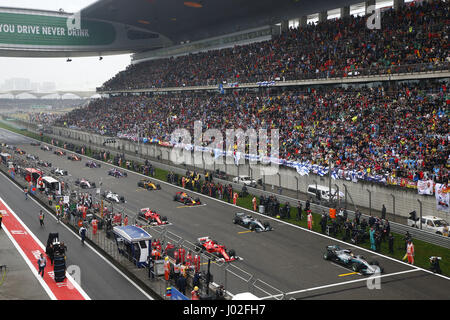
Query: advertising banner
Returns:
{"type": "Point", "coordinates": [425, 187]}
{"type": "Point", "coordinates": [442, 197]}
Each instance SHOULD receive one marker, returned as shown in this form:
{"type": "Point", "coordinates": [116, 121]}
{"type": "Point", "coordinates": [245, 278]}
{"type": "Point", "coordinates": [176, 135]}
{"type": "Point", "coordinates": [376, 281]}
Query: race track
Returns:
{"type": "Point", "coordinates": [287, 259]}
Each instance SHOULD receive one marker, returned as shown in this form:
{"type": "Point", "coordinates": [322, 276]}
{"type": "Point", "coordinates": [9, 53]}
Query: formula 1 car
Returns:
{"type": "Point", "coordinates": [44, 163]}
{"type": "Point", "coordinates": [147, 184]}
{"type": "Point", "coordinates": [46, 148]}
{"type": "Point", "coordinates": [211, 246]}
{"type": "Point", "coordinates": [251, 223]}
{"type": "Point", "coordinates": [74, 157]}
{"type": "Point", "coordinates": [152, 217]}
{"type": "Point", "coordinates": [59, 152]}
{"type": "Point", "coordinates": [111, 196]}
{"type": "Point", "coordinates": [347, 258]}
{"type": "Point", "coordinates": [59, 172]}
{"type": "Point", "coordinates": [85, 184]}
{"type": "Point", "coordinates": [117, 173]}
{"type": "Point", "coordinates": [184, 198]}
{"type": "Point", "coordinates": [19, 151]}
{"type": "Point", "coordinates": [35, 143]}
{"type": "Point", "coordinates": [93, 164]}
{"type": "Point", "coordinates": [32, 157]}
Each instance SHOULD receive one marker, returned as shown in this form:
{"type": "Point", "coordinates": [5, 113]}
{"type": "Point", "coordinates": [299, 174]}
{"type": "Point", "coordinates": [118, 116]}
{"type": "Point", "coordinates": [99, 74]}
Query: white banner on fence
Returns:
{"type": "Point", "coordinates": [425, 187]}
{"type": "Point", "coordinates": [442, 197]}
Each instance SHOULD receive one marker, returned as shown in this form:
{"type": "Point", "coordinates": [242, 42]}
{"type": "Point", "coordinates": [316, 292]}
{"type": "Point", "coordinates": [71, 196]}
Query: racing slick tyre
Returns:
{"type": "Point", "coordinates": [355, 267]}
{"type": "Point", "coordinates": [198, 247]}
{"type": "Point", "coordinates": [231, 253]}
{"type": "Point", "coordinates": [326, 256]}
{"type": "Point", "coordinates": [235, 221]}
{"type": "Point", "coordinates": [164, 218]}
{"type": "Point", "coordinates": [158, 187]}
{"type": "Point", "coordinates": [175, 198]}
{"type": "Point", "coordinates": [266, 224]}
{"type": "Point", "coordinates": [252, 227]}
{"type": "Point", "coordinates": [197, 200]}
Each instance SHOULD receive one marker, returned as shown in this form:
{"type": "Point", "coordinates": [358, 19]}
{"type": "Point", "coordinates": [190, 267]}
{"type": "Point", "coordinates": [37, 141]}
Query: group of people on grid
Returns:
{"type": "Point", "coordinates": [356, 230]}
{"type": "Point", "coordinates": [177, 264]}
{"type": "Point", "coordinates": [192, 181]}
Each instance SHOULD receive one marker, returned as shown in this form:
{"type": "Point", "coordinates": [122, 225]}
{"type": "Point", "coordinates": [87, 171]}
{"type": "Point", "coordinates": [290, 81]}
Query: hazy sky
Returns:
{"type": "Point", "coordinates": [80, 74]}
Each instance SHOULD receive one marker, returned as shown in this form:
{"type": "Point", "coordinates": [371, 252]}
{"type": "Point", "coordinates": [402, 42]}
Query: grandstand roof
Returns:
{"type": "Point", "coordinates": [181, 20]}
{"type": "Point", "coordinates": [16, 92]}
{"type": "Point", "coordinates": [81, 94]}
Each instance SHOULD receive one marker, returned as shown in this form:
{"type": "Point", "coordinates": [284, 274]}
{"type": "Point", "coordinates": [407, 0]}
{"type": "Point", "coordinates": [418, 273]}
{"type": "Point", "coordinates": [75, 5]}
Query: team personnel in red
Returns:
{"type": "Point", "coordinates": [196, 263]}
{"type": "Point", "coordinates": [94, 226]}
{"type": "Point", "coordinates": [194, 294]}
{"type": "Point", "coordinates": [235, 197]}
{"type": "Point", "coordinates": [182, 255]}
{"type": "Point", "coordinates": [410, 252]}
{"type": "Point", "coordinates": [166, 268]}
{"type": "Point", "coordinates": [310, 220]}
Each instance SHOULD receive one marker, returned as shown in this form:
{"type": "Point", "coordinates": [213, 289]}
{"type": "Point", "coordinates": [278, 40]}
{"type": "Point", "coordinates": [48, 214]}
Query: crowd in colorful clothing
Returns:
{"type": "Point", "coordinates": [412, 39]}
{"type": "Point", "coordinates": [400, 131]}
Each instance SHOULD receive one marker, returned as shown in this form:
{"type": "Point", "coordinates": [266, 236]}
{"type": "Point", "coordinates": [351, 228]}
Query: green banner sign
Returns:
{"type": "Point", "coordinates": [42, 30]}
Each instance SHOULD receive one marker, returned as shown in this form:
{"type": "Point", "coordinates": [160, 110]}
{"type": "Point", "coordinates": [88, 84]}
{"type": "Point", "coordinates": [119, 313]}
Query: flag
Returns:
{"type": "Point", "coordinates": [302, 170]}
{"type": "Point", "coordinates": [334, 174]}
{"type": "Point", "coordinates": [237, 157]}
{"type": "Point", "coordinates": [217, 153]}
{"type": "Point", "coordinates": [221, 90]}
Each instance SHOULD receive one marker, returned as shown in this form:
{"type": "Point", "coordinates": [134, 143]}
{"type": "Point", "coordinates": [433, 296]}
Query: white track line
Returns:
{"type": "Point", "coordinates": [28, 262]}
{"type": "Point", "coordinates": [75, 284]}
{"type": "Point", "coordinates": [342, 283]}
{"type": "Point", "coordinates": [267, 217]}
{"type": "Point", "coordinates": [89, 246]}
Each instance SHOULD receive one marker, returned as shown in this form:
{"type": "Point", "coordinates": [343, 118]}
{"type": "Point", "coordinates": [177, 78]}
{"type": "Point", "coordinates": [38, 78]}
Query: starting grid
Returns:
{"type": "Point", "coordinates": [257, 286]}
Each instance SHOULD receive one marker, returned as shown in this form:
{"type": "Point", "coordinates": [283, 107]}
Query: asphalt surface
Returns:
{"type": "Point", "coordinates": [99, 278]}
{"type": "Point", "coordinates": [287, 259]}
{"type": "Point", "coordinates": [18, 283]}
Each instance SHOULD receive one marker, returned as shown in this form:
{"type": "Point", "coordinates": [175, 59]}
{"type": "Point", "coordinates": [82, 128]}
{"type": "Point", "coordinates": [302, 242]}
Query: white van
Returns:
{"type": "Point", "coordinates": [324, 192]}
{"type": "Point", "coordinates": [52, 185]}
{"type": "Point", "coordinates": [431, 223]}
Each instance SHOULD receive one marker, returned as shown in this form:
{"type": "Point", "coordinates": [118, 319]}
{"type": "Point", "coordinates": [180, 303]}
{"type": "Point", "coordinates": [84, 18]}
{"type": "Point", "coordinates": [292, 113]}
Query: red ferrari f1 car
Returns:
{"type": "Point", "coordinates": [152, 217]}
{"type": "Point", "coordinates": [211, 246]}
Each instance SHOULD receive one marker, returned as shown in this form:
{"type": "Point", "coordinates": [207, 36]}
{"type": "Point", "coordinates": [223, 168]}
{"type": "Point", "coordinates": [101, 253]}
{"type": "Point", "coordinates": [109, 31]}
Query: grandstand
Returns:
{"type": "Point", "coordinates": [328, 85]}
{"type": "Point", "coordinates": [356, 94]}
